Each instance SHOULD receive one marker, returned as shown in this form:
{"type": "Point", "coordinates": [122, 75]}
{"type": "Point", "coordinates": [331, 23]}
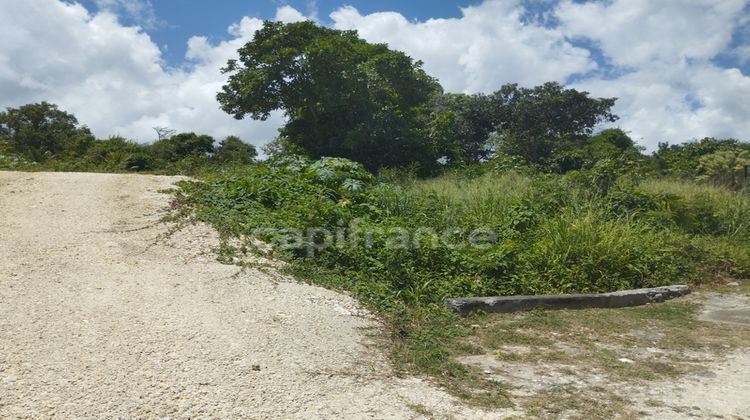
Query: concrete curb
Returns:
{"type": "Point", "coordinates": [634, 297]}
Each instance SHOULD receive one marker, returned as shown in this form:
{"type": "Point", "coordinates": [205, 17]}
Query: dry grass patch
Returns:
{"type": "Point", "coordinates": [585, 363]}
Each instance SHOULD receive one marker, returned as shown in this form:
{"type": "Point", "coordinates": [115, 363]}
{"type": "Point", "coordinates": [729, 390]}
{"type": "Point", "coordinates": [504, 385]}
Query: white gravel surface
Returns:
{"type": "Point", "coordinates": [102, 315]}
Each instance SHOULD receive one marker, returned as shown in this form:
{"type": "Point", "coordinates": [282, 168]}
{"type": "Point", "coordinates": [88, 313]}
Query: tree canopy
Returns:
{"type": "Point", "coordinates": [182, 145]}
{"type": "Point", "coordinates": [343, 96]}
{"type": "Point", "coordinates": [233, 149]}
{"type": "Point", "coordinates": [40, 130]}
{"type": "Point", "coordinates": [537, 122]}
{"type": "Point", "coordinates": [681, 159]}
{"type": "Point", "coordinates": [471, 119]}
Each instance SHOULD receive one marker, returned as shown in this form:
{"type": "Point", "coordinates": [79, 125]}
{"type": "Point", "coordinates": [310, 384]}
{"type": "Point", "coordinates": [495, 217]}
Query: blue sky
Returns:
{"type": "Point", "coordinates": [679, 68]}
{"type": "Point", "coordinates": [176, 21]}
{"type": "Point", "coordinates": [170, 23]}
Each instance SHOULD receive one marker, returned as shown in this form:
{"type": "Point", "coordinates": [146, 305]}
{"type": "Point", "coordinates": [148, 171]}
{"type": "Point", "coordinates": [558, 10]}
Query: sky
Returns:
{"type": "Point", "coordinates": [680, 68]}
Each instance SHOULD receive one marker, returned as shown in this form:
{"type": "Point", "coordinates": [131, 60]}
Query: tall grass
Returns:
{"type": "Point", "coordinates": [592, 252]}
{"type": "Point", "coordinates": [717, 210]}
{"type": "Point", "coordinates": [552, 235]}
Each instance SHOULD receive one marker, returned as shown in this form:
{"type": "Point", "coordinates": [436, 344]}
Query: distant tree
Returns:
{"type": "Point", "coordinates": [472, 120]}
{"type": "Point", "coordinates": [615, 137]}
{"type": "Point", "coordinates": [683, 159]}
{"type": "Point", "coordinates": [233, 149]}
{"type": "Point", "coordinates": [118, 154]}
{"type": "Point", "coordinates": [611, 144]}
{"type": "Point", "coordinates": [183, 145]}
{"type": "Point", "coordinates": [342, 96]}
{"type": "Point", "coordinates": [40, 131]}
{"type": "Point", "coordinates": [536, 122]}
{"type": "Point", "coordinates": [724, 166]}
{"type": "Point", "coordinates": [278, 147]}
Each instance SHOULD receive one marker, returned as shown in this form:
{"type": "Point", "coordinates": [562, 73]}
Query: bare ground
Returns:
{"type": "Point", "coordinates": [102, 314]}
{"type": "Point", "coordinates": [657, 362]}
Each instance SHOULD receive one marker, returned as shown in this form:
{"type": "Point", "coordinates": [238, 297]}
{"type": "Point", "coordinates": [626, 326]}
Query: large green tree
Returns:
{"type": "Point", "coordinates": [535, 123]}
{"type": "Point", "coordinates": [682, 159]}
{"type": "Point", "coordinates": [40, 131]}
{"type": "Point", "coordinates": [342, 96]}
{"type": "Point", "coordinates": [233, 149]}
{"type": "Point", "coordinates": [182, 145]}
{"type": "Point", "coordinates": [472, 119]}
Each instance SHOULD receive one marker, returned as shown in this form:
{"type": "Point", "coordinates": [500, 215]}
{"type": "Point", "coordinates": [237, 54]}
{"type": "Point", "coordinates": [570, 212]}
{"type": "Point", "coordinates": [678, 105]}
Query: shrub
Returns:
{"type": "Point", "coordinates": [704, 209]}
{"type": "Point", "coordinates": [550, 234]}
{"type": "Point", "coordinates": [591, 252]}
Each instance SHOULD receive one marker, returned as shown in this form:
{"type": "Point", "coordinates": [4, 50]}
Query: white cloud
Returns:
{"type": "Point", "coordinates": [140, 11]}
{"type": "Point", "coordinates": [312, 10]}
{"type": "Point", "coordinates": [488, 46]}
{"type": "Point", "coordinates": [289, 14]}
{"type": "Point", "coordinates": [113, 78]}
{"type": "Point", "coordinates": [671, 90]}
{"type": "Point", "coordinates": [637, 32]}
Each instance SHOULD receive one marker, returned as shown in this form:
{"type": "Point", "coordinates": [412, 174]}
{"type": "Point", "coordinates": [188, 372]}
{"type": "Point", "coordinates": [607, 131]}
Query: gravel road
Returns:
{"type": "Point", "coordinates": [102, 315]}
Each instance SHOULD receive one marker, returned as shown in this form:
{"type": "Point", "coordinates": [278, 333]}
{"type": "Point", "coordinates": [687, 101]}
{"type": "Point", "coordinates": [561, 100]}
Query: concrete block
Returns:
{"type": "Point", "coordinates": [620, 299]}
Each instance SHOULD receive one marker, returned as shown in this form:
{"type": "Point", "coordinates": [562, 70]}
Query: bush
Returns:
{"type": "Point", "coordinates": [723, 256]}
{"type": "Point", "coordinates": [12, 161]}
{"type": "Point", "coordinates": [409, 240]}
{"type": "Point", "coordinates": [586, 253]}
{"type": "Point", "coordinates": [701, 208]}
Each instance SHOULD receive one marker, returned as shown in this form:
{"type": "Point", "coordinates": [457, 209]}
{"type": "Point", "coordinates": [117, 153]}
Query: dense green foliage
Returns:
{"type": "Point", "coordinates": [548, 127]}
{"type": "Point", "coordinates": [463, 125]}
{"type": "Point", "coordinates": [233, 150]}
{"type": "Point", "coordinates": [552, 234]}
{"type": "Point", "coordinates": [342, 96]}
{"type": "Point", "coordinates": [540, 123]}
{"type": "Point", "coordinates": [720, 161]}
{"type": "Point", "coordinates": [36, 132]}
{"type": "Point", "coordinates": [402, 245]}
{"type": "Point", "coordinates": [43, 137]}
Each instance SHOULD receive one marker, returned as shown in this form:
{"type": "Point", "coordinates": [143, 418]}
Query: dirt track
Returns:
{"type": "Point", "coordinates": [102, 316]}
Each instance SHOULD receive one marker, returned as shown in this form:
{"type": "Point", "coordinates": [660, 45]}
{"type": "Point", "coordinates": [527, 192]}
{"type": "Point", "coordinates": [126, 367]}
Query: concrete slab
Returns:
{"type": "Point", "coordinates": [634, 297]}
{"type": "Point", "coordinates": [732, 308]}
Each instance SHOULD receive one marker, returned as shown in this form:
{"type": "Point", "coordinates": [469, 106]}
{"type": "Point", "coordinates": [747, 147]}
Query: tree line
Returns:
{"type": "Point", "coordinates": [345, 97]}
{"type": "Point", "coordinates": [43, 134]}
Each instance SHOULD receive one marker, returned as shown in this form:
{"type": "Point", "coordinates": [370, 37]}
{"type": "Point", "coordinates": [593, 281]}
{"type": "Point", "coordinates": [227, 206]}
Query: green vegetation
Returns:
{"type": "Point", "coordinates": [39, 131]}
{"type": "Point", "coordinates": [403, 245]}
{"type": "Point", "coordinates": [539, 233]}
{"type": "Point", "coordinates": [445, 194]}
{"type": "Point", "coordinates": [43, 137]}
{"type": "Point", "coordinates": [342, 96]}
